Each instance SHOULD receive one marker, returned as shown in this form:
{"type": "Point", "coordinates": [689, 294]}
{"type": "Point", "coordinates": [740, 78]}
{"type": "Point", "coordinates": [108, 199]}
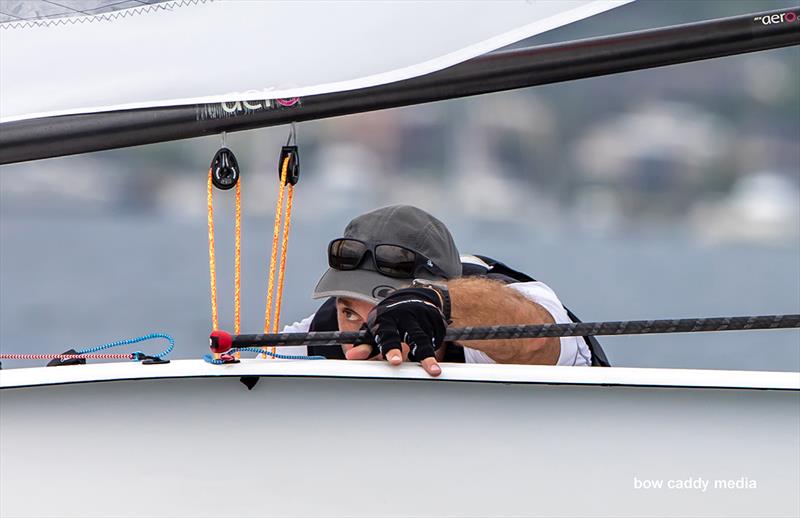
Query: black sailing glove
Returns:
{"type": "Point", "coordinates": [410, 315]}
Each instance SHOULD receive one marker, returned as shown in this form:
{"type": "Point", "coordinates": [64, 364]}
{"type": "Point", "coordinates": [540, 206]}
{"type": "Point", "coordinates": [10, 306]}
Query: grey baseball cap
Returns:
{"type": "Point", "coordinates": [401, 225]}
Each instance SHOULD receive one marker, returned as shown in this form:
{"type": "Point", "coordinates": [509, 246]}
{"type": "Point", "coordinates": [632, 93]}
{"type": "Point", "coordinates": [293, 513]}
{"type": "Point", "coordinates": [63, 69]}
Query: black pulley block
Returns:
{"type": "Point", "coordinates": [224, 169]}
{"type": "Point", "coordinates": [293, 168]}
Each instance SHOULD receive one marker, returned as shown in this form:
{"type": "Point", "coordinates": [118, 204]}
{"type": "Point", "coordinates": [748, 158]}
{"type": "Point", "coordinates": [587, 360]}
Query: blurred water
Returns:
{"type": "Point", "coordinates": [82, 281]}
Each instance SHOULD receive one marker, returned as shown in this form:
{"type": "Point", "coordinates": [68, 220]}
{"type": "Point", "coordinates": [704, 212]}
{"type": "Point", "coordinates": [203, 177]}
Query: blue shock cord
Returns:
{"type": "Point", "coordinates": [136, 355]}
{"type": "Point", "coordinates": [212, 360]}
{"type": "Point", "coordinates": [279, 356]}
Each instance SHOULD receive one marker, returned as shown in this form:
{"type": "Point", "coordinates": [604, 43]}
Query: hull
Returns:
{"type": "Point", "coordinates": [362, 439]}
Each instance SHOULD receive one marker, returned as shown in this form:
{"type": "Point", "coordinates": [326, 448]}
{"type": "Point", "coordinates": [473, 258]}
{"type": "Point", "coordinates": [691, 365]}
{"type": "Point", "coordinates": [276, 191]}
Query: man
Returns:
{"type": "Point", "coordinates": [397, 273]}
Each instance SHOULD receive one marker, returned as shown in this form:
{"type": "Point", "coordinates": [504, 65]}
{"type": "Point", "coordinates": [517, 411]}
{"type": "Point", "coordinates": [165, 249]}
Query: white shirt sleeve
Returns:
{"type": "Point", "coordinates": [298, 327]}
{"type": "Point", "coordinates": [574, 350]}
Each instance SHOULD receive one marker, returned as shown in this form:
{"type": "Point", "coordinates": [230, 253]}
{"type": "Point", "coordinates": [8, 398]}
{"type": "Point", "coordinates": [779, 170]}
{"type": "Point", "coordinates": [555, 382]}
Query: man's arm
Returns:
{"type": "Point", "coordinates": [484, 302]}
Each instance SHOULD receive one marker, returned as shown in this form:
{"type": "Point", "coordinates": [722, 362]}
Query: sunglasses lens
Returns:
{"type": "Point", "coordinates": [346, 254]}
{"type": "Point", "coordinates": [395, 261]}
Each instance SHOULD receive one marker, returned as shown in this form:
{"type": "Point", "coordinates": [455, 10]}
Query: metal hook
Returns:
{"type": "Point", "coordinates": [292, 140]}
{"type": "Point", "coordinates": [224, 136]}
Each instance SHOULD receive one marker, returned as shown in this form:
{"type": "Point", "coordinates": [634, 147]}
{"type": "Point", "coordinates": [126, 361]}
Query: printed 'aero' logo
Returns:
{"type": "Point", "coordinates": [771, 19]}
{"type": "Point", "coordinates": [267, 104]}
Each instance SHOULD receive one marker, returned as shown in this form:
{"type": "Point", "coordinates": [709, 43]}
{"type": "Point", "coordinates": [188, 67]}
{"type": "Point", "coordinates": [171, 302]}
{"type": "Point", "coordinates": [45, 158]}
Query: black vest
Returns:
{"type": "Point", "coordinates": [325, 317]}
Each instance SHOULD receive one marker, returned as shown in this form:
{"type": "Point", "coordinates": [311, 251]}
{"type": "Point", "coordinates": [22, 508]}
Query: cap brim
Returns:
{"type": "Point", "coordinates": [365, 285]}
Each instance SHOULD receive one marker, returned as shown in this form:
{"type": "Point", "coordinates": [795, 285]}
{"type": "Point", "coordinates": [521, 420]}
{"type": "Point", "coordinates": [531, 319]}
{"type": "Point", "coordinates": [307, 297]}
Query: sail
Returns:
{"type": "Point", "coordinates": [92, 56]}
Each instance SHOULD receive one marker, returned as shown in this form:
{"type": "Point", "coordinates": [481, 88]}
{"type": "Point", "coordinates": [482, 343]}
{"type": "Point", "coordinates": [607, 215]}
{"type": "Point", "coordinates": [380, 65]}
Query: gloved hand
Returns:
{"type": "Point", "coordinates": [414, 316]}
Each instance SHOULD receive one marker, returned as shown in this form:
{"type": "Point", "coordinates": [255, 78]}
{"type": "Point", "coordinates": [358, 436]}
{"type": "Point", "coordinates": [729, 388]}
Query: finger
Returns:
{"type": "Point", "coordinates": [420, 343]}
{"type": "Point", "coordinates": [394, 357]}
{"type": "Point", "coordinates": [431, 366]}
{"type": "Point", "coordinates": [369, 340]}
{"type": "Point", "coordinates": [359, 352]}
{"type": "Point", "coordinates": [387, 339]}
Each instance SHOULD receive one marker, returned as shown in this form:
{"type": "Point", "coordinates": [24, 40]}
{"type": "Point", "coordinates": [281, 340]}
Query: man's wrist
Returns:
{"type": "Point", "coordinates": [442, 292]}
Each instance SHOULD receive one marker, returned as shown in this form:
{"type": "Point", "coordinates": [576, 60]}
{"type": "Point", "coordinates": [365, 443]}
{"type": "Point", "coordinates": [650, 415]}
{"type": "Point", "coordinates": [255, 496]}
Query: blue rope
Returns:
{"type": "Point", "coordinates": [210, 359]}
{"type": "Point", "coordinates": [136, 355]}
{"type": "Point", "coordinates": [278, 356]}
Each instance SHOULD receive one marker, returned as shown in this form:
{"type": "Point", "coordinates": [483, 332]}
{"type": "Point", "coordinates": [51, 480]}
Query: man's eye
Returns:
{"type": "Point", "coordinates": [350, 315]}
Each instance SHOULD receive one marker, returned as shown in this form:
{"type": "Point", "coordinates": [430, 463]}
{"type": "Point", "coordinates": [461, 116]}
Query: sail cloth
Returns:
{"type": "Point", "coordinates": [93, 57]}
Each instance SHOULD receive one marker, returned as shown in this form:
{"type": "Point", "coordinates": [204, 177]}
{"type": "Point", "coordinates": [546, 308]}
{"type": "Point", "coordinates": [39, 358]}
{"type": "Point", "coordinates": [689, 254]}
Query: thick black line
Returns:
{"type": "Point", "coordinates": [511, 332]}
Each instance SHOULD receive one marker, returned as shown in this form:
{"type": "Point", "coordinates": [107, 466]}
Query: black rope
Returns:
{"type": "Point", "coordinates": [630, 327]}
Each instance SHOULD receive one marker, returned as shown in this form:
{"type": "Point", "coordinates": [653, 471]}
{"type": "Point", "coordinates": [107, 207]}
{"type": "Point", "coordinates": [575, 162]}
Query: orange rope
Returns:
{"type": "Point", "coordinates": [212, 261]}
{"type": "Point", "coordinates": [237, 265]}
{"type": "Point", "coordinates": [274, 257]}
{"type": "Point", "coordinates": [268, 322]}
{"type": "Point", "coordinates": [237, 261]}
{"type": "Point", "coordinates": [284, 246]}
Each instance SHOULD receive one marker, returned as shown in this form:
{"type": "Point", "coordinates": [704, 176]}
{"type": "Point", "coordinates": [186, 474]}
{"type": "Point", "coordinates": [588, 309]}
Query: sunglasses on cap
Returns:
{"type": "Point", "coordinates": [390, 260]}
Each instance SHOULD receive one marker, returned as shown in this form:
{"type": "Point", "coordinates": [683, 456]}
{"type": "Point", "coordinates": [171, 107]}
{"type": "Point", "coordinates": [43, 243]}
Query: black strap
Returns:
{"type": "Point", "coordinates": [496, 267]}
{"type": "Point", "coordinates": [325, 320]}
{"type": "Point", "coordinates": [599, 358]}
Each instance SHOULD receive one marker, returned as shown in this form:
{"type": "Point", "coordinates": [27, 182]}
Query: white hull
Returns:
{"type": "Point", "coordinates": [178, 440]}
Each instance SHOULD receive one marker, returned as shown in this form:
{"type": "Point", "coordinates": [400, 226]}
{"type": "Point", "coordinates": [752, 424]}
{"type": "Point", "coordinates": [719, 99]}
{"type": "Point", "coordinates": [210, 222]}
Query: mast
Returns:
{"type": "Point", "coordinates": [499, 71]}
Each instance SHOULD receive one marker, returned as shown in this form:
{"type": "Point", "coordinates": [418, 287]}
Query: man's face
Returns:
{"type": "Point", "coordinates": [352, 313]}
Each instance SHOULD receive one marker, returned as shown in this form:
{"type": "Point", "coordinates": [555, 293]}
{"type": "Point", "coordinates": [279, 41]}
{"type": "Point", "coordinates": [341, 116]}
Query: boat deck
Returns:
{"type": "Point", "coordinates": [470, 373]}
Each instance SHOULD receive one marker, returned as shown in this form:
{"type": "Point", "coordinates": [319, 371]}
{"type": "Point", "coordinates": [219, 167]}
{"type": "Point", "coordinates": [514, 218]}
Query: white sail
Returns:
{"type": "Point", "coordinates": [204, 51]}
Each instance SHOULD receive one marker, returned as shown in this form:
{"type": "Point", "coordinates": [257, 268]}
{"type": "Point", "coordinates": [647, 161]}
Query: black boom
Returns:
{"type": "Point", "coordinates": [71, 134]}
